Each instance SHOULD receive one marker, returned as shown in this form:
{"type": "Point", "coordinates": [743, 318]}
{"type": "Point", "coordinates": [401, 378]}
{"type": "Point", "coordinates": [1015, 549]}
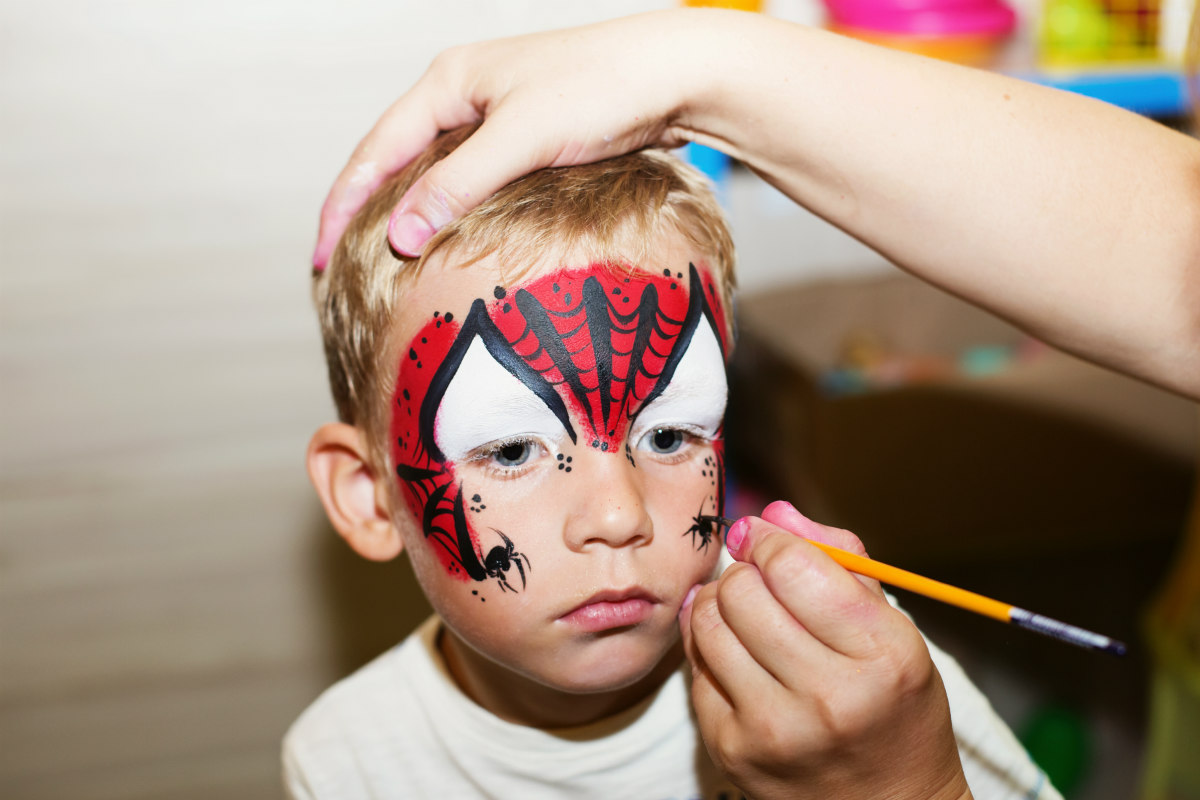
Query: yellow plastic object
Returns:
{"type": "Point", "coordinates": [975, 51]}
{"type": "Point", "coordinates": [1073, 32]}
{"type": "Point", "coordinates": [737, 5]}
{"type": "Point", "coordinates": [1172, 770]}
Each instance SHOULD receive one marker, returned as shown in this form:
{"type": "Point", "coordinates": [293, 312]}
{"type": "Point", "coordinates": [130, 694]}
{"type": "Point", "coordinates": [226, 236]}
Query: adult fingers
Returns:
{"type": "Point", "coordinates": [468, 176]}
{"type": "Point", "coordinates": [400, 135]}
{"type": "Point", "coordinates": [708, 697]}
{"type": "Point", "coordinates": [548, 99]}
{"type": "Point", "coordinates": [824, 597]}
{"type": "Point", "coordinates": [723, 673]}
{"type": "Point", "coordinates": [777, 641]}
{"type": "Point", "coordinates": [785, 515]}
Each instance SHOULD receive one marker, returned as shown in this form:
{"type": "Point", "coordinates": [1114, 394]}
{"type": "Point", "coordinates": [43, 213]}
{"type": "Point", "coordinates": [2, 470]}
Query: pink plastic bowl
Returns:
{"type": "Point", "coordinates": [925, 18]}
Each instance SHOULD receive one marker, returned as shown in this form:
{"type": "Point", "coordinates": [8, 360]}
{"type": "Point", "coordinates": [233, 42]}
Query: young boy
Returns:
{"type": "Point", "coordinates": [540, 431]}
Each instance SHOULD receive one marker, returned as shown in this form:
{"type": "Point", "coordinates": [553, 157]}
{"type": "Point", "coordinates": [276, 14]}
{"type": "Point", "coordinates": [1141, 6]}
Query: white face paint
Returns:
{"type": "Point", "coordinates": [695, 398]}
{"type": "Point", "coordinates": [486, 403]}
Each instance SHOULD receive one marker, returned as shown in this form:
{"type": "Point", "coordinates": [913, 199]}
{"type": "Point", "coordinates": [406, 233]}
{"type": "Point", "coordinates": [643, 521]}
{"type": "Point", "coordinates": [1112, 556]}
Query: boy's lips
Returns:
{"type": "Point", "coordinates": [610, 609]}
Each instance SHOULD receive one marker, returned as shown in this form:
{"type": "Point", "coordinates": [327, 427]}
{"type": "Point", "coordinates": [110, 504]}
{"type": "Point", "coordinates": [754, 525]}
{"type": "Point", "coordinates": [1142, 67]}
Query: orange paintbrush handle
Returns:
{"type": "Point", "coordinates": [936, 590]}
{"type": "Point", "coordinates": [903, 579]}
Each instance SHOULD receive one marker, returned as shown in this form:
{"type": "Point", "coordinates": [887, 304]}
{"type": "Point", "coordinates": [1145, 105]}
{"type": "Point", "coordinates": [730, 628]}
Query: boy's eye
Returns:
{"type": "Point", "coordinates": [513, 454]}
{"type": "Point", "coordinates": [662, 440]}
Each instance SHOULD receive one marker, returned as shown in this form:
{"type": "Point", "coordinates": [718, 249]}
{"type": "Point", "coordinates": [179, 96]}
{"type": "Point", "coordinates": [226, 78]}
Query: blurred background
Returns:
{"type": "Point", "coordinates": [171, 596]}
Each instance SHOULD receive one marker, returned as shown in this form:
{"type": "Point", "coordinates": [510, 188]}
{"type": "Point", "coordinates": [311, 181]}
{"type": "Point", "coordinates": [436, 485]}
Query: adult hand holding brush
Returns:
{"type": "Point", "coordinates": [804, 675]}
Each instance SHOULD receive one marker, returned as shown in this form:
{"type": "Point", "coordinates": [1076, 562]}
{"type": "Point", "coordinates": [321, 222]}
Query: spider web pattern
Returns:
{"type": "Point", "coordinates": [595, 344]}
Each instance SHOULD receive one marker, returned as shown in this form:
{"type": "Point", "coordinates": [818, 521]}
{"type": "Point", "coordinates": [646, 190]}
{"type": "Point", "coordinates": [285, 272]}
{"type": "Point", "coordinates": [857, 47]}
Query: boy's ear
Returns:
{"type": "Point", "coordinates": [354, 499]}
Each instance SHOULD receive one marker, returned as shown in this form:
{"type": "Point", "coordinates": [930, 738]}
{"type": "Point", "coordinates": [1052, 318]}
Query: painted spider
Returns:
{"type": "Point", "coordinates": [500, 559]}
{"type": "Point", "coordinates": [702, 527]}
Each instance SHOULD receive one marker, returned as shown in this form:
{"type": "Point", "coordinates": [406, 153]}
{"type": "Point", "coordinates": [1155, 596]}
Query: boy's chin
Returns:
{"type": "Point", "coordinates": [616, 672]}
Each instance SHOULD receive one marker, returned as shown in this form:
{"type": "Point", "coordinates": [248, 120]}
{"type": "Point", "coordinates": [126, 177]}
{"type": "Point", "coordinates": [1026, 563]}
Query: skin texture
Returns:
{"type": "Point", "coordinates": [978, 183]}
{"type": "Point", "coordinates": [806, 683]}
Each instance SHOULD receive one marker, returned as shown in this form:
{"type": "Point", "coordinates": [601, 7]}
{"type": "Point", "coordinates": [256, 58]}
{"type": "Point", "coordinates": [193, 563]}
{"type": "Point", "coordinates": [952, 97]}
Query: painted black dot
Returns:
{"type": "Point", "coordinates": [482, 506]}
{"type": "Point", "coordinates": [567, 298]}
{"type": "Point", "coordinates": [568, 459]}
{"type": "Point", "coordinates": [436, 314]}
{"type": "Point", "coordinates": [475, 498]}
{"type": "Point", "coordinates": [424, 340]}
{"type": "Point", "coordinates": [560, 466]}
{"type": "Point", "coordinates": [507, 307]}
{"type": "Point", "coordinates": [560, 456]}
{"type": "Point", "coordinates": [677, 275]}
{"type": "Point", "coordinates": [556, 288]}
{"type": "Point", "coordinates": [499, 292]}
{"type": "Point", "coordinates": [624, 299]}
{"type": "Point", "coordinates": [474, 591]}
{"type": "Point", "coordinates": [616, 291]}
{"type": "Point", "coordinates": [404, 393]}
{"type": "Point", "coordinates": [419, 365]}
{"type": "Point", "coordinates": [439, 323]}
{"type": "Point", "coordinates": [568, 469]}
{"type": "Point", "coordinates": [412, 354]}
{"type": "Point", "coordinates": [449, 317]}
{"type": "Point", "coordinates": [595, 442]}
{"type": "Point", "coordinates": [627, 280]}
{"type": "Point", "coordinates": [673, 285]}
{"type": "Point", "coordinates": [483, 599]}
{"type": "Point", "coordinates": [604, 447]}
{"type": "Point", "coordinates": [666, 273]}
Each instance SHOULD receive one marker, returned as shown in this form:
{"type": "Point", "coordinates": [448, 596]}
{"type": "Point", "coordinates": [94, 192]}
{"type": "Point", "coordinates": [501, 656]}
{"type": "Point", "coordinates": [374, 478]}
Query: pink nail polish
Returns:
{"type": "Point", "coordinates": [408, 233]}
{"type": "Point", "coordinates": [735, 536]}
{"type": "Point", "coordinates": [320, 257]}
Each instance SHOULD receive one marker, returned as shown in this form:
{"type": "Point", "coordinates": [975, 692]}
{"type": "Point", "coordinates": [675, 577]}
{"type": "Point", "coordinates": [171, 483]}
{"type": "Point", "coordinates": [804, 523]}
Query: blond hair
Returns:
{"type": "Point", "coordinates": [612, 210]}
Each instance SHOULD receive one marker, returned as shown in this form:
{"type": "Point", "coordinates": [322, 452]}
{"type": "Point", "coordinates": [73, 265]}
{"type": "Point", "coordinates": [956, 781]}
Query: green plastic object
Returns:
{"type": "Point", "coordinates": [1058, 739]}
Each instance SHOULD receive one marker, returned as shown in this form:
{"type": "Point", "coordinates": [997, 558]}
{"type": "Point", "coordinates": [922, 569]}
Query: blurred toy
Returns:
{"type": "Point", "coordinates": [1058, 739]}
{"type": "Point", "coordinates": [865, 364]}
{"type": "Point", "coordinates": [965, 31]}
{"type": "Point", "coordinates": [1173, 632]}
{"type": "Point", "coordinates": [1074, 32]}
{"type": "Point", "coordinates": [737, 5]}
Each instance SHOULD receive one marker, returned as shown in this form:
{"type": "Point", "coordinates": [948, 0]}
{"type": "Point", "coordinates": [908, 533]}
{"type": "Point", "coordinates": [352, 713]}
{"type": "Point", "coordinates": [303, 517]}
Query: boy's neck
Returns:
{"type": "Point", "coordinates": [517, 699]}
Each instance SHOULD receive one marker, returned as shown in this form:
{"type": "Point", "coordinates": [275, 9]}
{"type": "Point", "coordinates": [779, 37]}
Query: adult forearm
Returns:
{"type": "Point", "coordinates": [1072, 218]}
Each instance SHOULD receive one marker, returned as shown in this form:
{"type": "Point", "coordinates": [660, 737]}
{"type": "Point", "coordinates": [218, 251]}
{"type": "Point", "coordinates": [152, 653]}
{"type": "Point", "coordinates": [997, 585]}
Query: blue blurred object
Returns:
{"type": "Point", "coordinates": [985, 360]}
{"type": "Point", "coordinates": [713, 163]}
{"type": "Point", "coordinates": [1155, 92]}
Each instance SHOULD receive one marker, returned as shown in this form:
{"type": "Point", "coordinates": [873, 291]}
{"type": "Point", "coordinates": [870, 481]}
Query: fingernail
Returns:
{"type": "Point", "coordinates": [687, 600]}
{"type": "Point", "coordinates": [408, 233]}
{"type": "Point", "coordinates": [782, 506]}
{"type": "Point", "coordinates": [783, 510]}
{"type": "Point", "coordinates": [320, 257]}
{"type": "Point", "coordinates": [735, 536]}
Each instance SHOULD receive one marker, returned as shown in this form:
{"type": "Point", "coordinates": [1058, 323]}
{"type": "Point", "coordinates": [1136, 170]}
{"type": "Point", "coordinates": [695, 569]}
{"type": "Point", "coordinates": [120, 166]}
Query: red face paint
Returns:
{"type": "Point", "coordinates": [595, 345]}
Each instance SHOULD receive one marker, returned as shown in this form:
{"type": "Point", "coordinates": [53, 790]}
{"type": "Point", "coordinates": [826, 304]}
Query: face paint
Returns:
{"type": "Point", "coordinates": [594, 357]}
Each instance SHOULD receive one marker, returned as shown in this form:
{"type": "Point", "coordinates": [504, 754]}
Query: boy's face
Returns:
{"type": "Point", "coordinates": [555, 440]}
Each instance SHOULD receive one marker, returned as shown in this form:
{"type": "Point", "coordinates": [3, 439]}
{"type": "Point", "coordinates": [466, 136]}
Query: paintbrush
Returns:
{"type": "Point", "coordinates": [946, 593]}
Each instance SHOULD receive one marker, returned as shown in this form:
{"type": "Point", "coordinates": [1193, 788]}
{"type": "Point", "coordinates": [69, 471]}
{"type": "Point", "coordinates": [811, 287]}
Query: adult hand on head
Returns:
{"type": "Point", "coordinates": [547, 99]}
{"type": "Point", "coordinates": [806, 683]}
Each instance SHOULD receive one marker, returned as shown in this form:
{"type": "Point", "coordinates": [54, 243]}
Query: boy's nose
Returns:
{"type": "Point", "coordinates": [609, 509]}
